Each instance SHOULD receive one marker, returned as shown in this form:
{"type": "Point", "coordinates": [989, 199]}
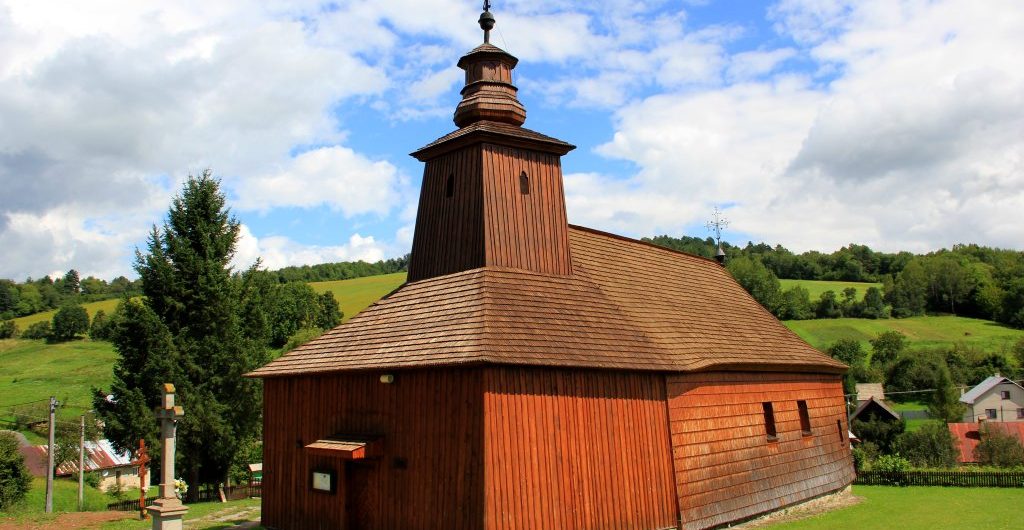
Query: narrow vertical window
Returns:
{"type": "Point", "coordinates": [769, 421]}
{"type": "Point", "coordinates": [449, 186]}
{"type": "Point", "coordinates": [839, 429]}
{"type": "Point", "coordinates": [805, 418]}
{"type": "Point", "coordinates": [524, 183]}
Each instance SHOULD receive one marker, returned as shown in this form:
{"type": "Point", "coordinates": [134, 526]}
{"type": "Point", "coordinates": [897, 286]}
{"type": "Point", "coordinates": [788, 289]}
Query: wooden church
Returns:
{"type": "Point", "coordinates": [533, 374]}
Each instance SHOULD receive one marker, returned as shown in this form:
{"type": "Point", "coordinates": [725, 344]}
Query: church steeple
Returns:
{"type": "Point", "coordinates": [489, 93]}
{"type": "Point", "coordinates": [492, 193]}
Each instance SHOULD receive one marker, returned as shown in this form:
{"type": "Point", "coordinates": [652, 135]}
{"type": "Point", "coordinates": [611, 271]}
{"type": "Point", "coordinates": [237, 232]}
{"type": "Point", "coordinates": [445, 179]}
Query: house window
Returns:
{"type": "Point", "coordinates": [805, 418]}
{"type": "Point", "coordinates": [449, 187]}
{"type": "Point", "coordinates": [769, 421]}
{"type": "Point", "coordinates": [839, 429]}
{"type": "Point", "coordinates": [1005, 394]}
{"type": "Point", "coordinates": [991, 413]}
{"type": "Point", "coordinates": [1020, 414]}
{"type": "Point", "coordinates": [524, 183]}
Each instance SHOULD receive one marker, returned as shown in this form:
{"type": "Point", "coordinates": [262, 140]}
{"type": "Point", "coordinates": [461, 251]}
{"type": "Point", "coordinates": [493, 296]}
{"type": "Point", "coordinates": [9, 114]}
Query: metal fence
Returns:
{"type": "Point", "coordinates": [961, 479]}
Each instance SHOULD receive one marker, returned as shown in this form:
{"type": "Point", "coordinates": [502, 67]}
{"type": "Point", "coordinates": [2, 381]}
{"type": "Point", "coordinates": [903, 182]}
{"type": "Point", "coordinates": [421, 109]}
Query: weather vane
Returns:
{"type": "Point", "coordinates": [716, 224]}
{"type": "Point", "coordinates": [486, 21]}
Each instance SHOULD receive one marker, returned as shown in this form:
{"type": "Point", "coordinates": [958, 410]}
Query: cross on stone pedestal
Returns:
{"type": "Point", "coordinates": [141, 460]}
{"type": "Point", "coordinates": [168, 509]}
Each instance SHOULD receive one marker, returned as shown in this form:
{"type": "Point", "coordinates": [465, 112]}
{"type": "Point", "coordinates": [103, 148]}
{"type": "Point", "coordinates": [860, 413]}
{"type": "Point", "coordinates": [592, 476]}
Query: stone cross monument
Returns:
{"type": "Point", "coordinates": [168, 509]}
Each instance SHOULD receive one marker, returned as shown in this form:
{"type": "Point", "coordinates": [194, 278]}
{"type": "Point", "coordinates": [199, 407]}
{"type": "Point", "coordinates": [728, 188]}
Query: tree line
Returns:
{"type": "Point", "coordinates": [968, 280]}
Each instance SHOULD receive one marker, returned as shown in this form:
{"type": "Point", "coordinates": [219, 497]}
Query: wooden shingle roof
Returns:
{"type": "Point", "coordinates": [628, 305]}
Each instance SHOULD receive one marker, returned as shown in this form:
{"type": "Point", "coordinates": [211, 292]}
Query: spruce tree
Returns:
{"type": "Point", "coordinates": [189, 290]}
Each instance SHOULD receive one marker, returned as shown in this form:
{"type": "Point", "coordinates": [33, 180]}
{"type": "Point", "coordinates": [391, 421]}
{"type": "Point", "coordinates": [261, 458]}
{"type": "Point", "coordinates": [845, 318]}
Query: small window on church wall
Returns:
{"type": "Point", "coordinates": [805, 418]}
{"type": "Point", "coordinates": [524, 183]}
{"type": "Point", "coordinates": [769, 421]}
{"type": "Point", "coordinates": [449, 187]}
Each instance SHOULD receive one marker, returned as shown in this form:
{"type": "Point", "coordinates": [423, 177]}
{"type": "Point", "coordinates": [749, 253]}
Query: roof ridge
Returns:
{"type": "Point", "coordinates": [644, 243]}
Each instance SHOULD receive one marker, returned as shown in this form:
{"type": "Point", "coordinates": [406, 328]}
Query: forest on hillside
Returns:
{"type": "Point", "coordinates": [968, 280]}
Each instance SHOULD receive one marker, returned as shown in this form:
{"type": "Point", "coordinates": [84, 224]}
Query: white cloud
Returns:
{"type": "Point", "coordinates": [913, 142]}
{"type": "Point", "coordinates": [276, 252]}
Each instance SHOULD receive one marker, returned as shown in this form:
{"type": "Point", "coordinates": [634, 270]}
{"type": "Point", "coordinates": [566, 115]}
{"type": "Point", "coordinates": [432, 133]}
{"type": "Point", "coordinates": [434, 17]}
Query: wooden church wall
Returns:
{"type": "Point", "coordinates": [576, 449]}
{"type": "Point", "coordinates": [430, 475]}
{"type": "Point", "coordinates": [727, 469]}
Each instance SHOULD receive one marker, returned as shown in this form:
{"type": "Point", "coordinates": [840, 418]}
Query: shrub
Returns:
{"type": "Point", "coordinates": [8, 329]}
{"type": "Point", "coordinates": [891, 463]}
{"type": "Point", "coordinates": [69, 321]}
{"type": "Point", "coordinates": [886, 347]}
{"type": "Point", "coordinates": [930, 446]}
{"type": "Point", "coordinates": [864, 455]}
{"type": "Point", "coordinates": [93, 479]}
{"type": "Point", "coordinates": [39, 330]}
{"type": "Point", "coordinates": [102, 327]}
{"type": "Point", "coordinates": [14, 477]}
{"type": "Point", "coordinates": [301, 337]}
{"type": "Point", "coordinates": [999, 448]}
{"type": "Point", "coordinates": [879, 431]}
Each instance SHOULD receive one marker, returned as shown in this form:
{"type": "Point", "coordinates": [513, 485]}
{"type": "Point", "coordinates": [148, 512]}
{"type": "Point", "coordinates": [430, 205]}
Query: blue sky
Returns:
{"type": "Point", "coordinates": [812, 123]}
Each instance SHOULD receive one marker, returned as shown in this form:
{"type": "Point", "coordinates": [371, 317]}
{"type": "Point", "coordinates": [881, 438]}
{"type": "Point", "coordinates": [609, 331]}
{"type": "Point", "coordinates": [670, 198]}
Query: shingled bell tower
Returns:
{"type": "Point", "coordinates": [492, 191]}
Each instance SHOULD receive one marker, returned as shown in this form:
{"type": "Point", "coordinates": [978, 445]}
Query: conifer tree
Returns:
{"type": "Point", "coordinates": [189, 291]}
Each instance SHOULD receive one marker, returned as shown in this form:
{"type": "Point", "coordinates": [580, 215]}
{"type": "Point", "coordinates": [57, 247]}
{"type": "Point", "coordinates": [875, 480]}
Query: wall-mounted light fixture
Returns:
{"type": "Point", "coordinates": [387, 379]}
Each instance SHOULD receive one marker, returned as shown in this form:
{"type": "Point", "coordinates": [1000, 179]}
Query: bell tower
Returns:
{"type": "Point", "coordinates": [492, 192]}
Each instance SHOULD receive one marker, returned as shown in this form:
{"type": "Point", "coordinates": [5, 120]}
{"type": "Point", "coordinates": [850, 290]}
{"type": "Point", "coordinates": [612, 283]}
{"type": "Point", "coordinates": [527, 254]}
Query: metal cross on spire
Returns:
{"type": "Point", "coordinates": [716, 225]}
{"type": "Point", "coordinates": [486, 21]}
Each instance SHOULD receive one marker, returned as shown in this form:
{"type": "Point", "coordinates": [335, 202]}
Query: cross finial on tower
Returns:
{"type": "Point", "coordinates": [486, 21]}
{"type": "Point", "coordinates": [716, 224]}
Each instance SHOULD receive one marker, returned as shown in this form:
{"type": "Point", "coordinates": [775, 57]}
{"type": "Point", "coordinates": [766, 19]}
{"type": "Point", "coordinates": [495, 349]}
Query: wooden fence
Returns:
{"type": "Point", "coordinates": [961, 479]}
{"type": "Point", "coordinates": [232, 493]}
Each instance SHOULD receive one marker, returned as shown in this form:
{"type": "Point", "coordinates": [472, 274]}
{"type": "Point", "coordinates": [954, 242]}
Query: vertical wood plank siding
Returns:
{"type": "Point", "coordinates": [449, 235]}
{"type": "Point", "coordinates": [431, 419]}
{"type": "Point", "coordinates": [488, 221]}
{"type": "Point", "coordinates": [576, 450]}
{"type": "Point", "coordinates": [529, 231]}
{"type": "Point", "coordinates": [727, 470]}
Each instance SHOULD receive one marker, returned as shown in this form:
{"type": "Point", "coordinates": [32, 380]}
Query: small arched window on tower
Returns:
{"type": "Point", "coordinates": [449, 187]}
{"type": "Point", "coordinates": [524, 183]}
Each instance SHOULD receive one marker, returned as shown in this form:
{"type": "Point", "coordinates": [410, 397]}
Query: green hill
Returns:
{"type": "Point", "coordinates": [107, 306]}
{"type": "Point", "coordinates": [32, 370]}
{"type": "Point", "coordinates": [920, 331]}
{"type": "Point", "coordinates": [815, 287]}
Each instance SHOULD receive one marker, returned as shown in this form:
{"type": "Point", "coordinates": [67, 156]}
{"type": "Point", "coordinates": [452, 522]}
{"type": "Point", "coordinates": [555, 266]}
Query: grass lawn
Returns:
{"type": "Point", "coordinates": [107, 306]}
{"type": "Point", "coordinates": [815, 287]}
{"type": "Point", "coordinates": [65, 499]}
{"type": "Point", "coordinates": [923, 508]}
{"type": "Point", "coordinates": [356, 294]}
{"type": "Point", "coordinates": [920, 331]}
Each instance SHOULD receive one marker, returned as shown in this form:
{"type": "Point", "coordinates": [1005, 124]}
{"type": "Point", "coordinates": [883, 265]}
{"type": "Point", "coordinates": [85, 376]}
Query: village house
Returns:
{"type": "Point", "coordinates": [968, 436]}
{"type": "Point", "coordinates": [115, 470]}
{"type": "Point", "coordinates": [997, 398]}
{"type": "Point", "coordinates": [533, 374]}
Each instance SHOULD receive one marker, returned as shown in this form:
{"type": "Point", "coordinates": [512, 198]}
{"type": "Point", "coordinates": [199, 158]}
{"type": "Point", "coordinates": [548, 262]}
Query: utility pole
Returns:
{"type": "Point", "coordinates": [49, 458]}
{"type": "Point", "coordinates": [81, 466]}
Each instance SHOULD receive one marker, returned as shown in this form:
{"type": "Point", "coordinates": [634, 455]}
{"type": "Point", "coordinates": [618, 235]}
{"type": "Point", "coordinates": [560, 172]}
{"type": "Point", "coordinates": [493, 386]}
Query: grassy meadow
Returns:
{"type": "Point", "coordinates": [920, 331]}
{"type": "Point", "coordinates": [922, 508]}
{"type": "Point", "coordinates": [107, 306]}
{"type": "Point", "coordinates": [356, 294]}
{"type": "Point", "coordinates": [816, 288]}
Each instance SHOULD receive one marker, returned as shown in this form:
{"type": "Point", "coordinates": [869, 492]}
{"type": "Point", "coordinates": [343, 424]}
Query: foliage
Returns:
{"type": "Point", "coordinates": [301, 337]}
{"type": "Point", "coordinates": [70, 320]}
{"type": "Point", "coordinates": [189, 331]}
{"type": "Point", "coordinates": [891, 463]}
{"type": "Point", "coordinates": [931, 445]}
{"type": "Point", "coordinates": [880, 431]}
{"type": "Point", "coordinates": [102, 327]}
{"type": "Point", "coordinates": [828, 306]}
{"type": "Point", "coordinates": [945, 401]}
{"type": "Point", "coordinates": [873, 306]}
{"type": "Point", "coordinates": [15, 479]}
{"type": "Point", "coordinates": [864, 455]}
{"type": "Point", "coordinates": [8, 329]}
{"type": "Point", "coordinates": [761, 283]}
{"type": "Point", "coordinates": [92, 479]}
{"type": "Point", "coordinates": [340, 271]}
{"type": "Point", "coordinates": [999, 448]}
{"type": "Point", "coordinates": [39, 330]}
{"type": "Point", "coordinates": [886, 347]}
{"type": "Point", "coordinates": [249, 452]}
{"type": "Point", "coordinates": [796, 304]}
{"type": "Point", "coordinates": [914, 371]}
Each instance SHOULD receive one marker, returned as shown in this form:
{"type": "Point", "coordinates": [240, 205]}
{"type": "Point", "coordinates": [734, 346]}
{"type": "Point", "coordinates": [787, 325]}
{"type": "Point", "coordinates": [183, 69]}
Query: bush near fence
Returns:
{"type": "Point", "coordinates": [960, 479]}
{"type": "Point", "coordinates": [232, 493]}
